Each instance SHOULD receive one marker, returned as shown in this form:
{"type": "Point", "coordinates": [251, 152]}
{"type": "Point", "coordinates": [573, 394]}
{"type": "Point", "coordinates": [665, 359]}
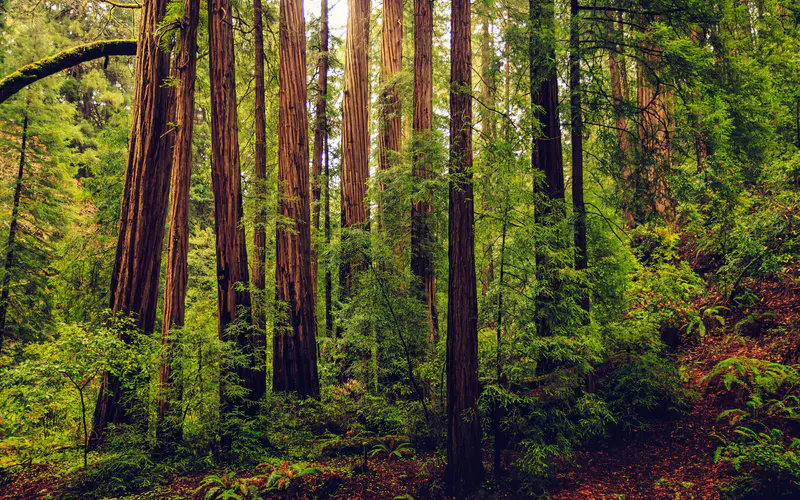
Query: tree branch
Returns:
{"type": "Point", "coordinates": [35, 71]}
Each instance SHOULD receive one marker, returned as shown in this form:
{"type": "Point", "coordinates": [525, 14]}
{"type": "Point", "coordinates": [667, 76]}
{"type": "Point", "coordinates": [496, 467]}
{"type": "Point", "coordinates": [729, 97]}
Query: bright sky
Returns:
{"type": "Point", "coordinates": [337, 14]}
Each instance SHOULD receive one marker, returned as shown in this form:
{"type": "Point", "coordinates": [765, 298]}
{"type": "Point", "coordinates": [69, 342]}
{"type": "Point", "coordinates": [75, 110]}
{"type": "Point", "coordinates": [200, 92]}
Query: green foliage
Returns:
{"type": "Point", "coordinates": [769, 463]}
{"type": "Point", "coordinates": [282, 476]}
{"type": "Point", "coordinates": [227, 487]}
{"type": "Point", "coordinates": [392, 450]}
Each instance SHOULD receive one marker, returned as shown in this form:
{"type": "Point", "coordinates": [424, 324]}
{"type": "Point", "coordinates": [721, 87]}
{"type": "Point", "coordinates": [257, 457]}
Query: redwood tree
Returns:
{"type": "Point", "coordinates": [320, 134]}
{"type": "Point", "coordinates": [134, 281]}
{"type": "Point", "coordinates": [178, 243]}
{"type": "Point", "coordinates": [355, 130]}
{"type": "Point", "coordinates": [422, 208]}
{"type": "Point", "coordinates": [464, 467]}
{"type": "Point", "coordinates": [260, 167]}
{"type": "Point", "coordinates": [232, 271]}
{"type": "Point", "coordinates": [390, 130]}
{"type": "Point", "coordinates": [294, 347]}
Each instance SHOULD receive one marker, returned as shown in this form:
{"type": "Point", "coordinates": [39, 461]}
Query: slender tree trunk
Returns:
{"type": "Point", "coordinates": [260, 172]}
{"type": "Point", "coordinates": [295, 346]}
{"type": "Point", "coordinates": [464, 472]}
{"type": "Point", "coordinates": [488, 128]}
{"type": "Point", "coordinates": [422, 209]}
{"type": "Point", "coordinates": [355, 134]}
{"type": "Point", "coordinates": [328, 277]}
{"type": "Point", "coordinates": [547, 150]}
{"type": "Point", "coordinates": [12, 234]}
{"type": "Point", "coordinates": [134, 281]}
{"type": "Point", "coordinates": [178, 244]}
{"type": "Point", "coordinates": [499, 411]}
{"type": "Point", "coordinates": [232, 270]}
{"type": "Point", "coordinates": [578, 206]}
{"type": "Point", "coordinates": [320, 132]}
{"type": "Point", "coordinates": [391, 64]}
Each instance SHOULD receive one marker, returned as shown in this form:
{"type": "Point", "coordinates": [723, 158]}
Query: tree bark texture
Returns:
{"type": "Point", "coordinates": [391, 64]}
{"type": "Point", "coordinates": [232, 270]}
{"type": "Point", "coordinates": [576, 112]}
{"type": "Point", "coordinates": [260, 167]}
{"type": "Point", "coordinates": [464, 472]}
{"type": "Point", "coordinates": [355, 131]}
{"type": "Point", "coordinates": [422, 209]}
{"type": "Point", "coordinates": [547, 156]}
{"type": "Point", "coordinates": [178, 243]}
{"type": "Point", "coordinates": [295, 347]}
{"type": "Point", "coordinates": [134, 281]}
{"type": "Point", "coordinates": [320, 132]}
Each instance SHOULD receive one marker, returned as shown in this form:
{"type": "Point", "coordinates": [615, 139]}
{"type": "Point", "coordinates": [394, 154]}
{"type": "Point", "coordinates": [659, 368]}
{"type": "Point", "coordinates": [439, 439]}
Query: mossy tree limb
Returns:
{"type": "Point", "coordinates": [43, 68]}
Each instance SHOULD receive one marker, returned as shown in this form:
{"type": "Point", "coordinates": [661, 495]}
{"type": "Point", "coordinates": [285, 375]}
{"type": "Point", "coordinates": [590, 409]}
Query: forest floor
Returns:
{"type": "Point", "coordinates": [673, 459]}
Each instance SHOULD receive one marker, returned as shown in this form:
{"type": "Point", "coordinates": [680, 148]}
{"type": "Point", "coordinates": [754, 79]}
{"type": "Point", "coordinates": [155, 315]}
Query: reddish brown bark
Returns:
{"type": "Point", "coordinates": [295, 348]}
{"type": "Point", "coordinates": [547, 154]}
{"type": "Point", "coordinates": [134, 282]}
{"type": "Point", "coordinates": [576, 134]}
{"type": "Point", "coordinates": [260, 167]}
{"type": "Point", "coordinates": [464, 472]}
{"type": "Point", "coordinates": [422, 209]}
{"type": "Point", "coordinates": [655, 151]}
{"type": "Point", "coordinates": [619, 95]}
{"type": "Point", "coordinates": [320, 132]}
{"type": "Point", "coordinates": [178, 242]}
{"type": "Point", "coordinates": [391, 64]}
{"type": "Point", "coordinates": [232, 271]}
{"type": "Point", "coordinates": [355, 132]}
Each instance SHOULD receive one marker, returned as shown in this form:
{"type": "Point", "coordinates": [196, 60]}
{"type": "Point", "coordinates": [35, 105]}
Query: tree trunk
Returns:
{"type": "Point", "coordinates": [488, 129]}
{"type": "Point", "coordinates": [578, 206]}
{"type": "Point", "coordinates": [134, 281]}
{"type": "Point", "coordinates": [619, 95]}
{"type": "Point", "coordinates": [259, 171]}
{"type": "Point", "coordinates": [320, 132]}
{"type": "Point", "coordinates": [295, 347]}
{"type": "Point", "coordinates": [232, 272]}
{"type": "Point", "coordinates": [355, 134]}
{"type": "Point", "coordinates": [654, 136]}
{"type": "Point", "coordinates": [391, 64]}
{"type": "Point", "coordinates": [464, 472]}
{"type": "Point", "coordinates": [547, 156]}
{"type": "Point", "coordinates": [328, 276]}
{"type": "Point", "coordinates": [422, 209]}
{"type": "Point", "coordinates": [178, 244]}
{"type": "Point", "coordinates": [12, 234]}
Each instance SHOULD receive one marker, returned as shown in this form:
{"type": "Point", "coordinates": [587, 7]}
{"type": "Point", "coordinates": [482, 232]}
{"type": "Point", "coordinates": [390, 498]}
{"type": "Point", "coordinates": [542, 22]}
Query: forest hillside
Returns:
{"type": "Point", "coordinates": [399, 249]}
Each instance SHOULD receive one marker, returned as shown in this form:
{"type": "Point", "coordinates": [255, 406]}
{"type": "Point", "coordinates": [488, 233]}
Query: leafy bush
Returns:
{"type": "Point", "coordinates": [227, 486]}
{"type": "Point", "coordinates": [645, 389]}
{"type": "Point", "coordinates": [768, 462]}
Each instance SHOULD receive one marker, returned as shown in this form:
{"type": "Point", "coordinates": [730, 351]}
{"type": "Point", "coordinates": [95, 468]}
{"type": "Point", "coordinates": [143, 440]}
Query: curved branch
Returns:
{"type": "Point", "coordinates": [35, 71]}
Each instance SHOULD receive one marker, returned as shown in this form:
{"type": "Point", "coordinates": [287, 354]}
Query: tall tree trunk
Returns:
{"type": "Point", "coordinates": [422, 209]}
{"type": "Point", "coordinates": [655, 122]}
{"type": "Point", "coordinates": [178, 243]}
{"type": "Point", "coordinates": [578, 206]}
{"type": "Point", "coordinates": [295, 346]}
{"type": "Point", "coordinates": [320, 132]}
{"type": "Point", "coordinates": [355, 133]}
{"type": "Point", "coordinates": [619, 95]}
{"type": "Point", "coordinates": [547, 155]}
{"type": "Point", "coordinates": [488, 129]}
{"type": "Point", "coordinates": [260, 171]}
{"type": "Point", "coordinates": [134, 280]}
{"type": "Point", "coordinates": [464, 472]}
{"type": "Point", "coordinates": [390, 130]}
{"type": "Point", "coordinates": [328, 276]}
{"type": "Point", "coordinates": [232, 270]}
{"type": "Point", "coordinates": [12, 234]}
